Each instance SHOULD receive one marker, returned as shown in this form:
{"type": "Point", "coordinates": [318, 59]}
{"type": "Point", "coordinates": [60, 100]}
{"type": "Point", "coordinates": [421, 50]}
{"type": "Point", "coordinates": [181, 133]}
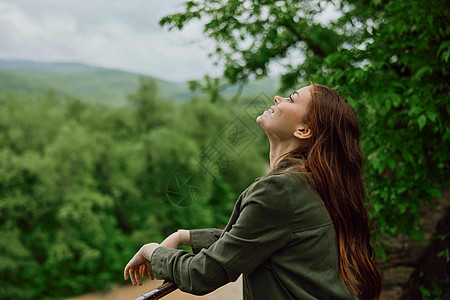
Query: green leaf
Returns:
{"type": "Point", "coordinates": [422, 71]}
{"type": "Point", "coordinates": [422, 120]}
{"type": "Point", "coordinates": [407, 156]}
{"type": "Point", "coordinates": [445, 56]}
{"type": "Point", "coordinates": [435, 192]}
{"type": "Point", "coordinates": [425, 293]}
{"type": "Point", "coordinates": [401, 190]}
{"type": "Point", "coordinates": [431, 115]}
{"type": "Point", "coordinates": [396, 100]}
{"type": "Point", "coordinates": [417, 235]}
{"type": "Point", "coordinates": [443, 253]}
{"type": "Point", "coordinates": [443, 46]}
{"type": "Point", "coordinates": [391, 163]}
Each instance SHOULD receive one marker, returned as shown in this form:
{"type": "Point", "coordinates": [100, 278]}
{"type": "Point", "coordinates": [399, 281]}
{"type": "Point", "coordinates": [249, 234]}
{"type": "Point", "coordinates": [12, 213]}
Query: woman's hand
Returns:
{"type": "Point", "coordinates": [140, 264]}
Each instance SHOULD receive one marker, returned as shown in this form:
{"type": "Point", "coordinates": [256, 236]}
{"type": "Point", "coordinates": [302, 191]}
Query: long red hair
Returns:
{"type": "Point", "coordinates": [335, 159]}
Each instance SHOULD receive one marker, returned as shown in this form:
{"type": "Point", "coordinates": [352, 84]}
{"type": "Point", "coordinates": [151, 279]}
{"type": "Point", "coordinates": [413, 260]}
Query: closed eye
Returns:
{"type": "Point", "coordinates": [290, 98]}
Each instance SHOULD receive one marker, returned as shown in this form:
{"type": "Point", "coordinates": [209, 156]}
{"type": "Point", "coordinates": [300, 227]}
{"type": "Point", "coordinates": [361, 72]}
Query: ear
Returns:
{"type": "Point", "coordinates": [303, 133]}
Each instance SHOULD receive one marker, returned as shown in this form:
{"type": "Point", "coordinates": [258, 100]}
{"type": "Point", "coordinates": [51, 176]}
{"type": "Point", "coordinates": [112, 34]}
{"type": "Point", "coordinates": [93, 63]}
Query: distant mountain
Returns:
{"type": "Point", "coordinates": [85, 81]}
{"type": "Point", "coordinates": [100, 84]}
{"type": "Point", "coordinates": [59, 67]}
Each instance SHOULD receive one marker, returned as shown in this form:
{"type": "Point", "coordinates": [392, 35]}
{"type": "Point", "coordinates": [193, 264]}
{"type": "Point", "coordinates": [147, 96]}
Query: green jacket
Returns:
{"type": "Point", "coordinates": [280, 237]}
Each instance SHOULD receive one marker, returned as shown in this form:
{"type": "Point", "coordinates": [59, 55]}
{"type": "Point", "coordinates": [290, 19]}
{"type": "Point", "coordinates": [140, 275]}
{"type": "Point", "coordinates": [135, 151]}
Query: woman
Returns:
{"type": "Point", "coordinates": [299, 232]}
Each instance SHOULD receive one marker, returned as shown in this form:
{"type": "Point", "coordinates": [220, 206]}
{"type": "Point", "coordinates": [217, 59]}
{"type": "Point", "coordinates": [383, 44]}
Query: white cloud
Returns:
{"type": "Point", "coordinates": [114, 34]}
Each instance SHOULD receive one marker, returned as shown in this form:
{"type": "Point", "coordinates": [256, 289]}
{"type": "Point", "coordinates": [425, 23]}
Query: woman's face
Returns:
{"type": "Point", "coordinates": [287, 116]}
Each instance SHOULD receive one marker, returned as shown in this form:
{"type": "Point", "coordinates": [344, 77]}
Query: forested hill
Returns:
{"type": "Point", "coordinates": [99, 84]}
{"type": "Point", "coordinates": [88, 82]}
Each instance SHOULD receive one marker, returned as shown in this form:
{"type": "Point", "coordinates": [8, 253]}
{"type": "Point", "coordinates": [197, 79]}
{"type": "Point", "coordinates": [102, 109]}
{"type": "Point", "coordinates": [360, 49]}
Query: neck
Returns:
{"type": "Point", "coordinates": [279, 148]}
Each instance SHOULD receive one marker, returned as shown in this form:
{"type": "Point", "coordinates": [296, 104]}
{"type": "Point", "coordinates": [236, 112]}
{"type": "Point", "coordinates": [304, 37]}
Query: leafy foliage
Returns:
{"type": "Point", "coordinates": [388, 58]}
{"type": "Point", "coordinates": [83, 186]}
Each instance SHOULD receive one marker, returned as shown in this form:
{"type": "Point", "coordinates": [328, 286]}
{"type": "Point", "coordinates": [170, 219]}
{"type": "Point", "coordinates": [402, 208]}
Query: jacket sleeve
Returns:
{"type": "Point", "coordinates": [262, 228]}
{"type": "Point", "coordinates": [203, 238]}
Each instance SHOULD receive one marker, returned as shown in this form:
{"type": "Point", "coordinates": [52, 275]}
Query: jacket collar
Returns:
{"type": "Point", "coordinates": [286, 162]}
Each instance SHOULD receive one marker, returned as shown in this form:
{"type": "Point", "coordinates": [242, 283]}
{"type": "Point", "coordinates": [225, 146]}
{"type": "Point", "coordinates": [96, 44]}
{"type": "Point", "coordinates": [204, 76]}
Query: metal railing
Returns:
{"type": "Point", "coordinates": [159, 292]}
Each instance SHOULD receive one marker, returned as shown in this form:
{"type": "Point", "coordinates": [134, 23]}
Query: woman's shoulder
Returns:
{"type": "Point", "coordinates": [269, 191]}
{"type": "Point", "coordinates": [278, 185]}
{"type": "Point", "coordinates": [298, 185]}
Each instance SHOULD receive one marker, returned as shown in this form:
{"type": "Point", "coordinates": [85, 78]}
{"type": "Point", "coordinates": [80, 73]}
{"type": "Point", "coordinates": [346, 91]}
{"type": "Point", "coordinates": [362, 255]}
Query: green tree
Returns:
{"type": "Point", "coordinates": [151, 110]}
{"type": "Point", "coordinates": [210, 85]}
{"type": "Point", "coordinates": [221, 202]}
{"type": "Point", "coordinates": [389, 58]}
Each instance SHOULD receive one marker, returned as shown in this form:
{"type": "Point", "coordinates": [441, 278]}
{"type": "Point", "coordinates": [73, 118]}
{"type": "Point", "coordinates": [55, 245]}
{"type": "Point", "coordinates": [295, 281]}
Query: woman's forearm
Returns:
{"type": "Point", "coordinates": [184, 237]}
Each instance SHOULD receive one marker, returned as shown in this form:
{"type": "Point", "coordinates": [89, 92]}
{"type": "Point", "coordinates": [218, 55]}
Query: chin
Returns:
{"type": "Point", "coordinates": [261, 123]}
{"type": "Point", "coordinates": [260, 120]}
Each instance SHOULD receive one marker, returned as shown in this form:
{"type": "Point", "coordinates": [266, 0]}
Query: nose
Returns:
{"type": "Point", "coordinates": [276, 99]}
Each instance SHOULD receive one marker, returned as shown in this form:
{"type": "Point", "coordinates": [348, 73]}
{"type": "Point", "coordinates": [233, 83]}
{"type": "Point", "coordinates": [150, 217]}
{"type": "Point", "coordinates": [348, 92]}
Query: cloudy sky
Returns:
{"type": "Point", "coordinates": [119, 34]}
{"type": "Point", "coordinates": [122, 34]}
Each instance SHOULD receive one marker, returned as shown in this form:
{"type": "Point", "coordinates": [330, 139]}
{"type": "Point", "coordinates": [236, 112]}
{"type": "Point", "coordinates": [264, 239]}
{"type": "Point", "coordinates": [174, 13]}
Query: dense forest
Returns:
{"type": "Point", "coordinates": [83, 184]}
